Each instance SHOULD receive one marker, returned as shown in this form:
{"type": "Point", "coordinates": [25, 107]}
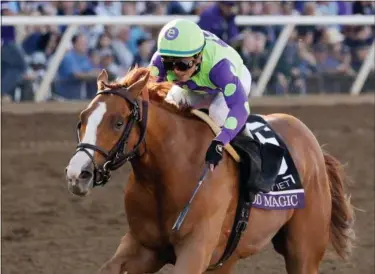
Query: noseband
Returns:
{"type": "Point", "coordinates": [117, 156]}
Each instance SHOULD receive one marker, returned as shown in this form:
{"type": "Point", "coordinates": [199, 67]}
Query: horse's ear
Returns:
{"type": "Point", "coordinates": [102, 79]}
{"type": "Point", "coordinates": [137, 88]}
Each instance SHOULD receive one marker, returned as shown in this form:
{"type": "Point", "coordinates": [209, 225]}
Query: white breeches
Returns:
{"type": "Point", "coordinates": [218, 109]}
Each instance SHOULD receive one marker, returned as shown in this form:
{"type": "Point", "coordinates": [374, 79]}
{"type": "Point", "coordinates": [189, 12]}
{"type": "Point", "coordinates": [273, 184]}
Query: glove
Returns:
{"type": "Point", "coordinates": [178, 96]}
{"type": "Point", "coordinates": [214, 153]}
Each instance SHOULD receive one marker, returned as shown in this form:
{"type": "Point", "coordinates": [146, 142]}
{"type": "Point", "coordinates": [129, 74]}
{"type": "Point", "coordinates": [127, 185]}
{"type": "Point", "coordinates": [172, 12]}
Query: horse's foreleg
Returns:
{"type": "Point", "coordinates": [193, 255]}
{"type": "Point", "coordinates": [192, 258]}
{"type": "Point", "coordinates": [226, 268]}
{"type": "Point", "coordinates": [132, 257]}
{"type": "Point", "coordinates": [195, 259]}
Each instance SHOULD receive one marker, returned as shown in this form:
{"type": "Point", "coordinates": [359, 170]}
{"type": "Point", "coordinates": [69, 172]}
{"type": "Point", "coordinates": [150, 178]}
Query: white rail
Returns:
{"type": "Point", "coordinates": [146, 20]}
{"type": "Point", "coordinates": [272, 60]}
{"type": "Point", "coordinates": [149, 20]}
{"type": "Point", "coordinates": [363, 72]}
{"type": "Point", "coordinates": [44, 89]}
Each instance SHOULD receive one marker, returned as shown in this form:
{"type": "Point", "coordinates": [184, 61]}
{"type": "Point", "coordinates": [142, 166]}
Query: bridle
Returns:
{"type": "Point", "coordinates": [117, 156]}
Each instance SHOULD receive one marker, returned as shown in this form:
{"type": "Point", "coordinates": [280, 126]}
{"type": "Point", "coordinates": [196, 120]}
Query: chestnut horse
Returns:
{"type": "Point", "coordinates": [167, 148]}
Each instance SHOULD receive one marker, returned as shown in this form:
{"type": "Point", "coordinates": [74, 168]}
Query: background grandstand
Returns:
{"type": "Point", "coordinates": [316, 58]}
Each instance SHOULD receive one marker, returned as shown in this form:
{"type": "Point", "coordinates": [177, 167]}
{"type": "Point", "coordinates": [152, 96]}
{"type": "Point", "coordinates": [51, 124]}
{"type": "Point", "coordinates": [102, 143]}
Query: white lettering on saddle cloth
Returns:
{"type": "Point", "coordinates": [285, 184]}
{"type": "Point", "coordinates": [288, 199]}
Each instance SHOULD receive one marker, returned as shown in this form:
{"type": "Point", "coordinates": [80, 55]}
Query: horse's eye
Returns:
{"type": "Point", "coordinates": [119, 124]}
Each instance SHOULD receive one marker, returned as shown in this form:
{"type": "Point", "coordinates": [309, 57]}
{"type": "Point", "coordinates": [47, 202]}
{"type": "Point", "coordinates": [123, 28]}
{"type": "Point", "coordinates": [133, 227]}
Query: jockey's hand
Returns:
{"type": "Point", "coordinates": [214, 154]}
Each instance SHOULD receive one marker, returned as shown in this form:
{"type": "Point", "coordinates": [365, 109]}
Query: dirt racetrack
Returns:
{"type": "Point", "coordinates": [45, 229]}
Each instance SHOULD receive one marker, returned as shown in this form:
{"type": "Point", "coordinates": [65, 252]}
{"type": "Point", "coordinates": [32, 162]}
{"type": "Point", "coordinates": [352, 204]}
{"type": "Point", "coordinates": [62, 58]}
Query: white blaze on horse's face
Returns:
{"type": "Point", "coordinates": [80, 165]}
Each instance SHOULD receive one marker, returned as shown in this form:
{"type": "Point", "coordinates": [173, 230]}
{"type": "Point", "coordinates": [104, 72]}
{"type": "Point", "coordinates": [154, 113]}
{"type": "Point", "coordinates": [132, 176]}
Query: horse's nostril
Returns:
{"type": "Point", "coordinates": [85, 175]}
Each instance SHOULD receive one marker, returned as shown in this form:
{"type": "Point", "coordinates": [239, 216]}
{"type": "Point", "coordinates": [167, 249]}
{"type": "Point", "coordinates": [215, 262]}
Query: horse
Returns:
{"type": "Point", "coordinates": [165, 146]}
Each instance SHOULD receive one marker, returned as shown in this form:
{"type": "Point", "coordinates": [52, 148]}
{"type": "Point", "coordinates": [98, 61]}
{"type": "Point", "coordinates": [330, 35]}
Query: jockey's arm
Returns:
{"type": "Point", "coordinates": [157, 68]}
{"type": "Point", "coordinates": [233, 91]}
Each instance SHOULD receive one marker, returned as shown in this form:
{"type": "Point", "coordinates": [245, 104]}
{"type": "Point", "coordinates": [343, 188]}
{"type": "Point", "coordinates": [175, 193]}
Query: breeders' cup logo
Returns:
{"type": "Point", "coordinates": [171, 33]}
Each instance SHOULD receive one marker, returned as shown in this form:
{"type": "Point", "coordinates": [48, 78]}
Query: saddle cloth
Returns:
{"type": "Point", "coordinates": [287, 190]}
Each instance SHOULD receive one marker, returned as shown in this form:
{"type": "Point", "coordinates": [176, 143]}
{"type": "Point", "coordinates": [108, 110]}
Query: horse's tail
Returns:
{"type": "Point", "coordinates": [342, 218]}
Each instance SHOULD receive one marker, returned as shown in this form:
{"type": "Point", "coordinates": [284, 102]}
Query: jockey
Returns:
{"type": "Point", "coordinates": [207, 73]}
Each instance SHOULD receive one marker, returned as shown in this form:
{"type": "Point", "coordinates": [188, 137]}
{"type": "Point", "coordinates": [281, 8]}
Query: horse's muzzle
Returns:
{"type": "Point", "coordinates": [79, 183]}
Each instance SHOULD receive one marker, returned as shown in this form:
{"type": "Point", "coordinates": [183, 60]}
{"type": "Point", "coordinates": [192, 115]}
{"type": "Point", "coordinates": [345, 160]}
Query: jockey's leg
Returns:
{"type": "Point", "coordinates": [246, 82]}
{"type": "Point", "coordinates": [218, 109]}
{"type": "Point", "coordinates": [245, 79]}
{"type": "Point", "coordinates": [132, 257]}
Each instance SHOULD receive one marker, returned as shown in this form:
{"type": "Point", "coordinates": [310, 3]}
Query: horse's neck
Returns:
{"type": "Point", "coordinates": [166, 132]}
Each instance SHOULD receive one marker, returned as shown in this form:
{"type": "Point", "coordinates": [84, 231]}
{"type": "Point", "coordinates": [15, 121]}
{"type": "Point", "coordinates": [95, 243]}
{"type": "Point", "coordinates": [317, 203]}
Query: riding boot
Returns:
{"type": "Point", "coordinates": [256, 182]}
{"type": "Point", "coordinates": [264, 166]}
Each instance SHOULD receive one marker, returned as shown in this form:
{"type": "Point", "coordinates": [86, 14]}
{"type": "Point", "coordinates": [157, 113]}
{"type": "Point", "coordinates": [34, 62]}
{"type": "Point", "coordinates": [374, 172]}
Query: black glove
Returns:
{"type": "Point", "coordinates": [215, 153]}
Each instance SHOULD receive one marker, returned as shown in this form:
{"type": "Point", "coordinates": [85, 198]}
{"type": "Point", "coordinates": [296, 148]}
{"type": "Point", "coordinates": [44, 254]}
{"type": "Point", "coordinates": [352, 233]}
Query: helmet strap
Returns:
{"type": "Point", "coordinates": [198, 65]}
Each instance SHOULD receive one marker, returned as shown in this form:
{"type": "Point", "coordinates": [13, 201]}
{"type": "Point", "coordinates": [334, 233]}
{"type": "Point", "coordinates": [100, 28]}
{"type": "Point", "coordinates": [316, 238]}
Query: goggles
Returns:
{"type": "Point", "coordinates": [181, 65]}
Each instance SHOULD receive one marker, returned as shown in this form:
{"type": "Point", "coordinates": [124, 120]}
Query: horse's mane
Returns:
{"type": "Point", "coordinates": [157, 91]}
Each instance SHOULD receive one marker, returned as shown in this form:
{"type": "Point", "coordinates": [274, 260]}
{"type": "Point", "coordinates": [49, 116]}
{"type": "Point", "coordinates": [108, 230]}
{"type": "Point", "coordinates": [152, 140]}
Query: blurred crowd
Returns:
{"type": "Point", "coordinates": [314, 57]}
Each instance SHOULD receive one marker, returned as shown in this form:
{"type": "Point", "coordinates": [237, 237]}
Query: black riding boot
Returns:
{"type": "Point", "coordinates": [265, 164]}
{"type": "Point", "coordinates": [251, 167]}
{"type": "Point", "coordinates": [256, 183]}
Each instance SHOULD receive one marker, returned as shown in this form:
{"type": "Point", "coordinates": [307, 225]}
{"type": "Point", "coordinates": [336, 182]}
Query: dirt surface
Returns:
{"type": "Point", "coordinates": [45, 229]}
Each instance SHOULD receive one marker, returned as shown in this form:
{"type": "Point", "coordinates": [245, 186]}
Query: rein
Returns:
{"type": "Point", "coordinates": [117, 156]}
